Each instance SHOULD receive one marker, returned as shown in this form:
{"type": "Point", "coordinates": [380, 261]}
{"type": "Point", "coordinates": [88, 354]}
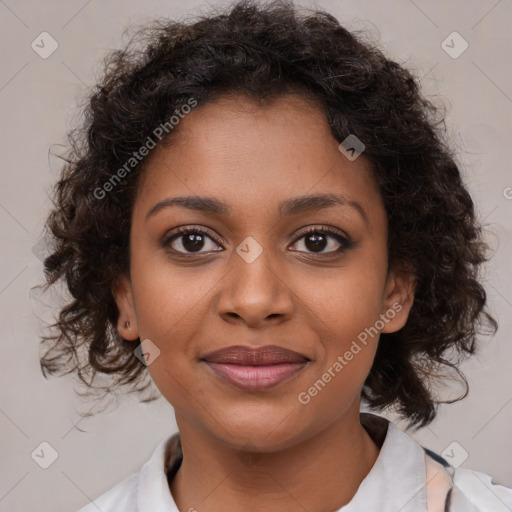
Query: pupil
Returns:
{"type": "Point", "coordinates": [193, 242]}
{"type": "Point", "coordinates": [317, 239]}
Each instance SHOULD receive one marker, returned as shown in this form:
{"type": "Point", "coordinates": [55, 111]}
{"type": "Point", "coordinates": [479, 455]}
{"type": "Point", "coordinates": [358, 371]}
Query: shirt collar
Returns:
{"type": "Point", "coordinates": [396, 482]}
{"type": "Point", "coordinates": [153, 493]}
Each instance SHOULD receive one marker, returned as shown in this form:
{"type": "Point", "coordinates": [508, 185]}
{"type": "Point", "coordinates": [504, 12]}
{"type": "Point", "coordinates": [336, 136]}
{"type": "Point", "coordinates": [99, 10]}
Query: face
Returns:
{"type": "Point", "coordinates": [259, 265]}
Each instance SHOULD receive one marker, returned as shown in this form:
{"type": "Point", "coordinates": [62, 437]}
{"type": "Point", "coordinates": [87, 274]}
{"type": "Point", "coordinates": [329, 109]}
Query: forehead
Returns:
{"type": "Point", "coordinates": [251, 155]}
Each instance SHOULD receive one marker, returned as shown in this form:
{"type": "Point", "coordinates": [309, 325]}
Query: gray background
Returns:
{"type": "Point", "coordinates": [38, 99]}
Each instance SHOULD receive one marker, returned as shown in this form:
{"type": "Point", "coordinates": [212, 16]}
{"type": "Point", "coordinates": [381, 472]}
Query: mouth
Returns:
{"type": "Point", "coordinates": [254, 369]}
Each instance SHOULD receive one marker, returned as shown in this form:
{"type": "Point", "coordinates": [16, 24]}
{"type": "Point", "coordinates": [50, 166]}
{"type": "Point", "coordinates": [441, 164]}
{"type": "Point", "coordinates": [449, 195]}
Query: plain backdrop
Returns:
{"type": "Point", "coordinates": [38, 105]}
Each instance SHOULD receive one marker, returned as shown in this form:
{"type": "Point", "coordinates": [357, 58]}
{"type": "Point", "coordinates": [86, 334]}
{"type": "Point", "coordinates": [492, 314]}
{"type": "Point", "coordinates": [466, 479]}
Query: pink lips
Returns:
{"type": "Point", "coordinates": [255, 369]}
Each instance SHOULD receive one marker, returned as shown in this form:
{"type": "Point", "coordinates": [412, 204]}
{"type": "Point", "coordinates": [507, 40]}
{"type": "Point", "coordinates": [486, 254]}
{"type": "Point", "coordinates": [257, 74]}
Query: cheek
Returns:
{"type": "Point", "coordinates": [345, 307]}
{"type": "Point", "coordinates": [347, 300]}
{"type": "Point", "coordinates": [169, 299]}
{"type": "Point", "coordinates": [171, 312]}
{"type": "Point", "coordinates": [346, 310]}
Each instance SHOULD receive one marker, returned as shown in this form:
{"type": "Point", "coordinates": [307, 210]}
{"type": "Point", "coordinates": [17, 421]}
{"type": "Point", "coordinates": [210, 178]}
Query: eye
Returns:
{"type": "Point", "coordinates": [317, 240]}
{"type": "Point", "coordinates": [188, 240]}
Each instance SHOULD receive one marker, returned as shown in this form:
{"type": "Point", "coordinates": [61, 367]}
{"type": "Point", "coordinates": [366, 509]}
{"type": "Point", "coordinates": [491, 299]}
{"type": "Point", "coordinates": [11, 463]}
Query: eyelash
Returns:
{"type": "Point", "coordinates": [345, 243]}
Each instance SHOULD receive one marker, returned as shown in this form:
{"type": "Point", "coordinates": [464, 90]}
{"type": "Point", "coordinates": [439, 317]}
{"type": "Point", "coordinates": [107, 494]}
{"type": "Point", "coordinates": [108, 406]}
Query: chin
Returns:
{"type": "Point", "coordinates": [260, 431]}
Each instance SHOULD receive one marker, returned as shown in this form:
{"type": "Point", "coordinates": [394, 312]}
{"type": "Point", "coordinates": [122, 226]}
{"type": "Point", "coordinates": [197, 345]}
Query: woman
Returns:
{"type": "Point", "coordinates": [260, 214]}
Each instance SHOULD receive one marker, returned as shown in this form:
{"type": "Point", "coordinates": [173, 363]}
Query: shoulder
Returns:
{"type": "Point", "coordinates": [122, 497]}
{"type": "Point", "coordinates": [445, 488]}
{"type": "Point", "coordinates": [461, 489]}
{"type": "Point", "coordinates": [475, 491]}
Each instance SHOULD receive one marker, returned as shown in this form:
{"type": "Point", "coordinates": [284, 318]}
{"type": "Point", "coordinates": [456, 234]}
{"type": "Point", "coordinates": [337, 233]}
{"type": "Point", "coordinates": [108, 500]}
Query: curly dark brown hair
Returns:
{"type": "Point", "coordinates": [266, 51]}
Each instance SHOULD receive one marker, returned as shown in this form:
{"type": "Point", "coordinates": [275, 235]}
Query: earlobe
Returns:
{"type": "Point", "coordinates": [398, 300]}
{"type": "Point", "coordinates": [126, 320]}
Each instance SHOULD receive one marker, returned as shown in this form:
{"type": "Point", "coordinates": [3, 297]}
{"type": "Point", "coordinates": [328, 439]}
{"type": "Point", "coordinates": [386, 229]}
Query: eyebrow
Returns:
{"type": "Point", "coordinates": [288, 207]}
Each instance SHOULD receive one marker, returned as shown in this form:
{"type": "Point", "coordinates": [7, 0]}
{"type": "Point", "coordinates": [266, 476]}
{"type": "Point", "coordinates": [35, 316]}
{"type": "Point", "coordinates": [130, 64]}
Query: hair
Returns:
{"type": "Point", "coordinates": [265, 51]}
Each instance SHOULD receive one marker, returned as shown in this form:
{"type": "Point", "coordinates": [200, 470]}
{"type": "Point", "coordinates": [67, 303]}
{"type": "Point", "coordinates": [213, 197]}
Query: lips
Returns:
{"type": "Point", "coordinates": [242, 354]}
{"type": "Point", "coordinates": [255, 369]}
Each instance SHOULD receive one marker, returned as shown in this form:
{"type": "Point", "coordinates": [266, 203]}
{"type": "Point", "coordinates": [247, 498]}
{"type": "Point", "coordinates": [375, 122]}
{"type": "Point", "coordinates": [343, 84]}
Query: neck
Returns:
{"type": "Point", "coordinates": [321, 473]}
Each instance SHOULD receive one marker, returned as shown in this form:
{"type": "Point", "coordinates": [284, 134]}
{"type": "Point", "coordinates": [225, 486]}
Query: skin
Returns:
{"type": "Point", "coordinates": [261, 450]}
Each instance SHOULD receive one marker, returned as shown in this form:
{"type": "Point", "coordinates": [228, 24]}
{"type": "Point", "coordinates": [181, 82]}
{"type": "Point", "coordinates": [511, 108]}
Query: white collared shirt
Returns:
{"type": "Point", "coordinates": [397, 482]}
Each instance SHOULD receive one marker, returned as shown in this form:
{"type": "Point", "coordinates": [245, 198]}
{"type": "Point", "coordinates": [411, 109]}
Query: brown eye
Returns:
{"type": "Point", "coordinates": [190, 241]}
{"type": "Point", "coordinates": [317, 240]}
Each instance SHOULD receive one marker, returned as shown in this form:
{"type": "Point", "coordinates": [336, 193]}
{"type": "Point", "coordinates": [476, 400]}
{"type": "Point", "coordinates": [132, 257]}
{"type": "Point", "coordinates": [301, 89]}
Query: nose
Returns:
{"type": "Point", "coordinates": [255, 292]}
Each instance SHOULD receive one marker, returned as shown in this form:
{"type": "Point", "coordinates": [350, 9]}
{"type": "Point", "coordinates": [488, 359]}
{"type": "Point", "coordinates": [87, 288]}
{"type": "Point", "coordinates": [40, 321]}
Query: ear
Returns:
{"type": "Point", "coordinates": [127, 319]}
{"type": "Point", "coordinates": [398, 297]}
